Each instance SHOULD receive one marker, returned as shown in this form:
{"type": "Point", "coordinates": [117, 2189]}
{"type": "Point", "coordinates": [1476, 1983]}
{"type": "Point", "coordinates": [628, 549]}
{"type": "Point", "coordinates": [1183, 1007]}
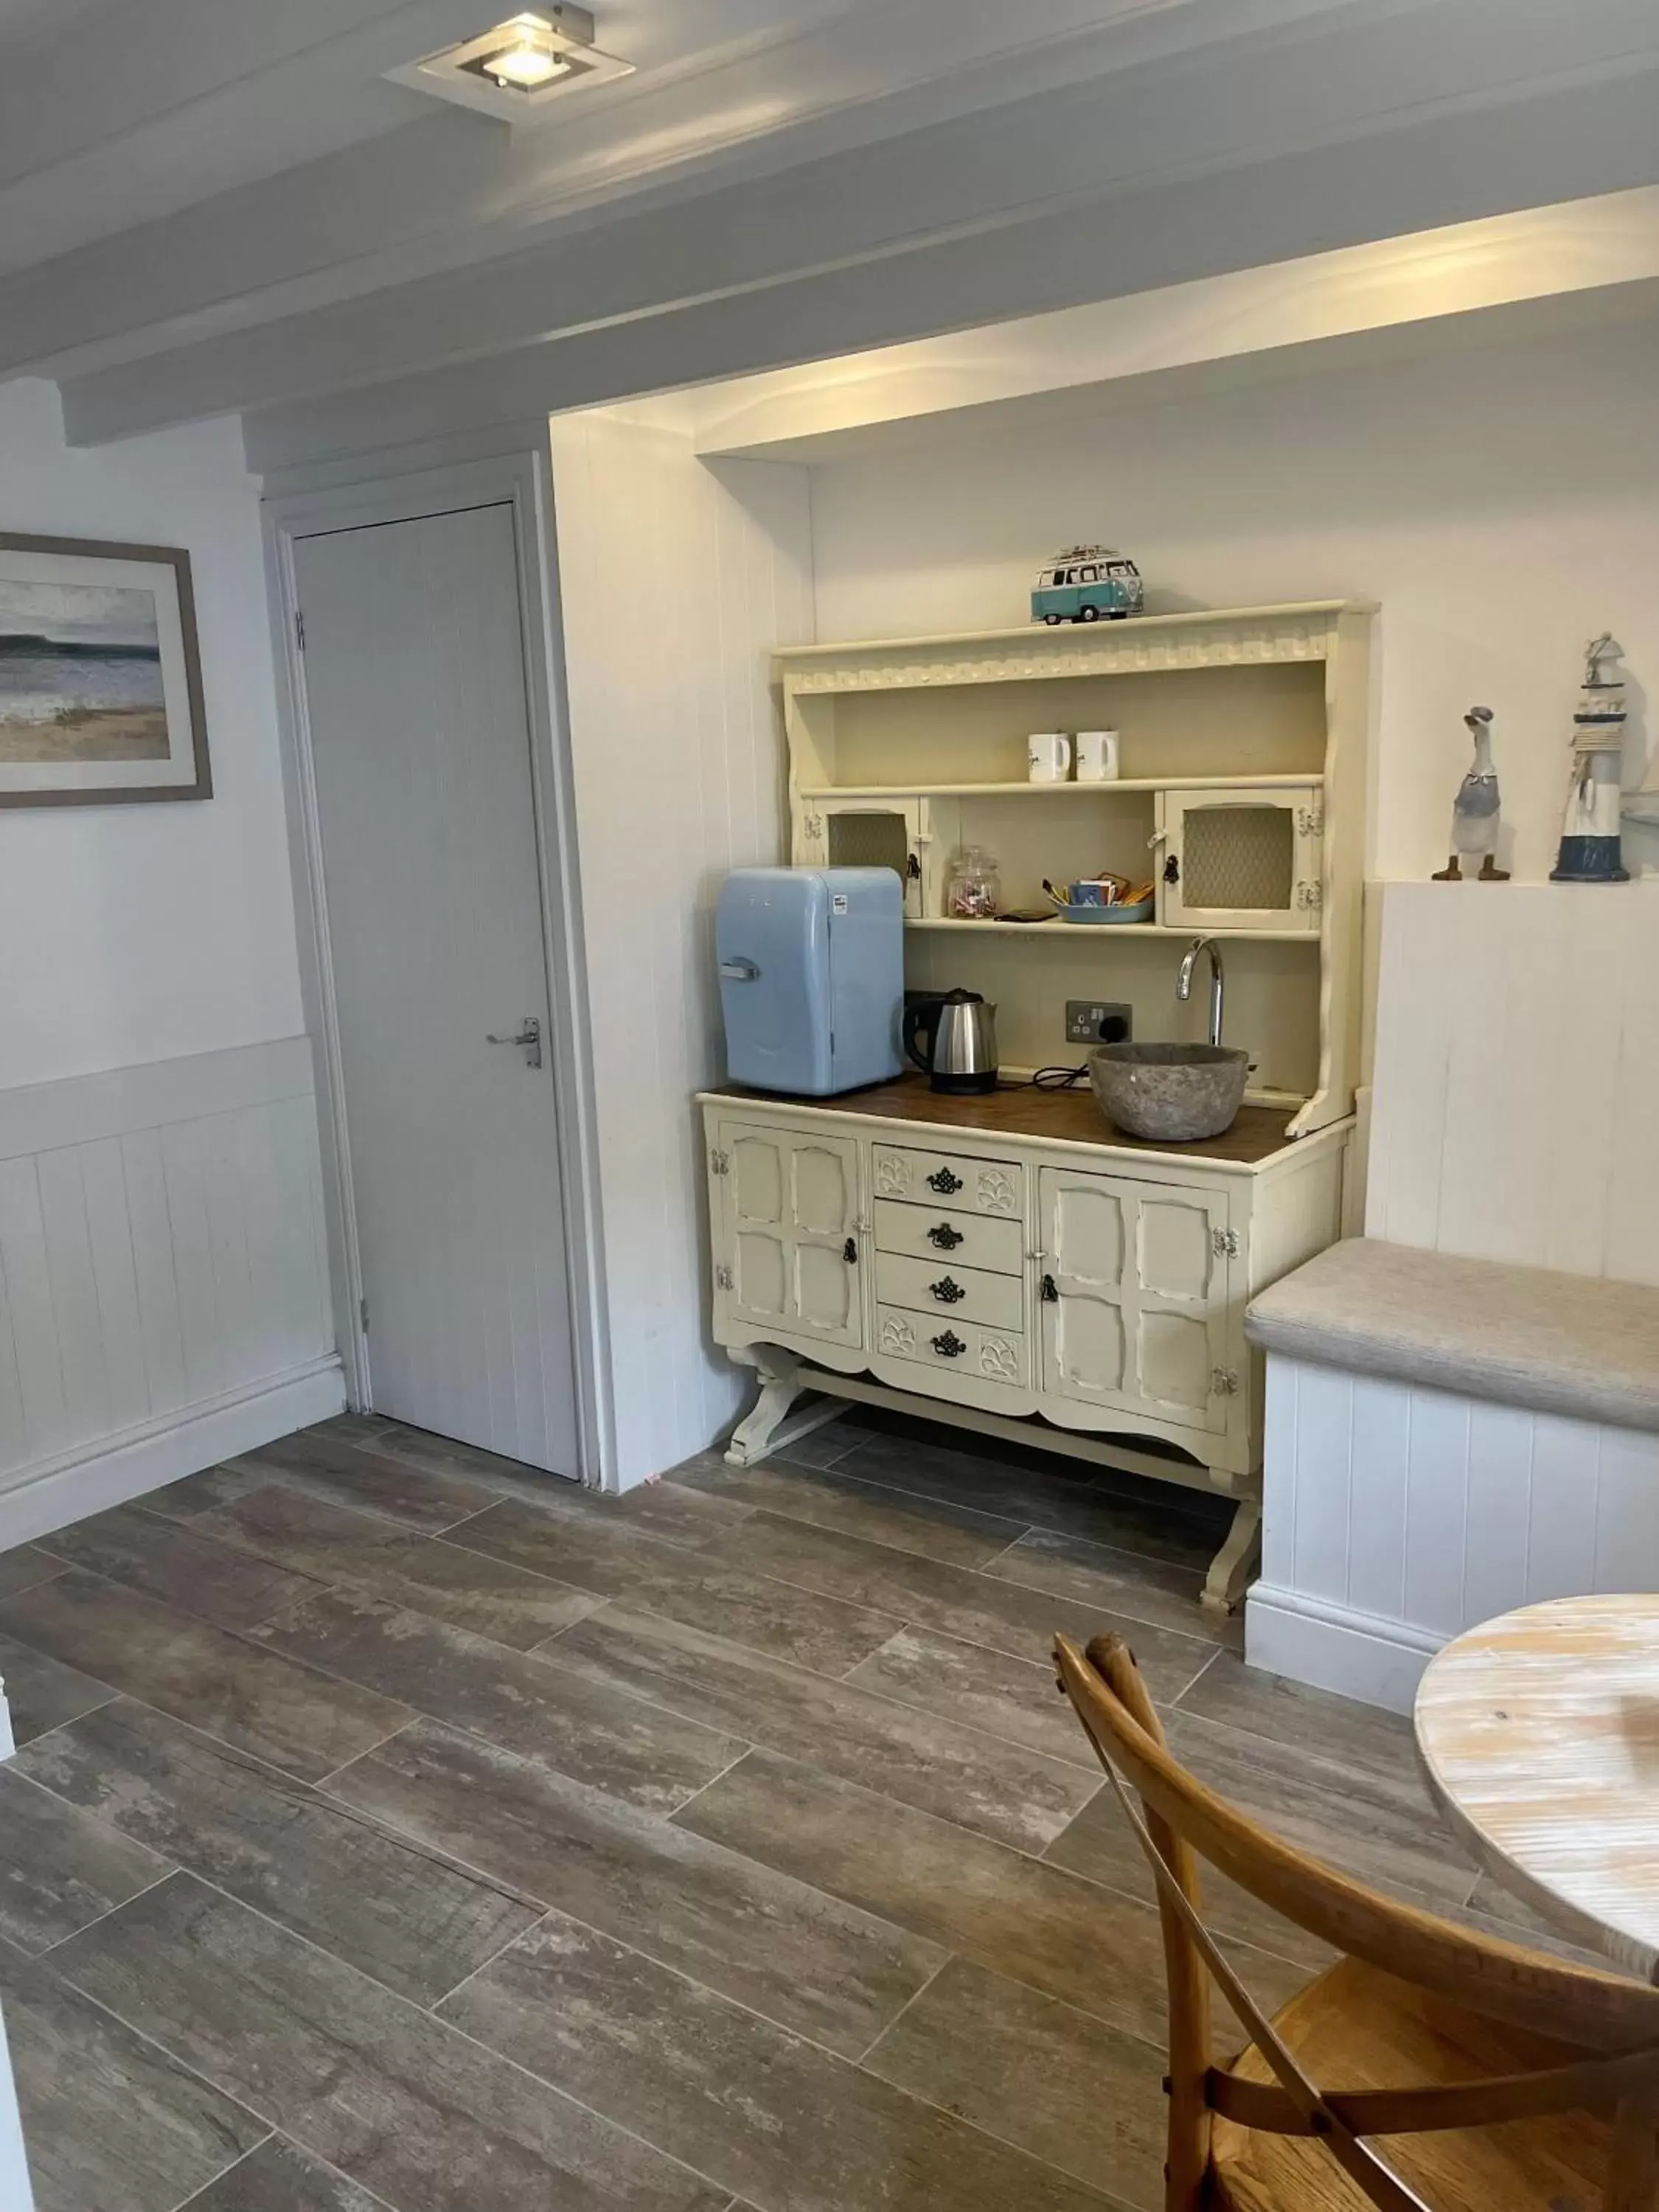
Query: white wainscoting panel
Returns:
{"type": "Point", "coordinates": [676, 577]}
{"type": "Point", "coordinates": [163, 1277]}
{"type": "Point", "coordinates": [1397, 1516]}
{"type": "Point", "coordinates": [1515, 1090]}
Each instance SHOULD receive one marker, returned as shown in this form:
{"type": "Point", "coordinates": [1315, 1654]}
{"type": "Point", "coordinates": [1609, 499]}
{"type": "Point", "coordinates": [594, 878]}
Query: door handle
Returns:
{"type": "Point", "coordinates": [739, 971]}
{"type": "Point", "coordinates": [530, 1036]}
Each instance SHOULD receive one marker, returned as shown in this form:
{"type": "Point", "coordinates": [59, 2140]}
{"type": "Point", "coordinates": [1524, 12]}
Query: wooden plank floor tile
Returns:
{"type": "Point", "coordinates": [279, 2177]}
{"type": "Point", "coordinates": [1082, 2096]}
{"type": "Point", "coordinates": [524, 1703]}
{"type": "Point", "coordinates": [1162, 1520]}
{"type": "Point", "coordinates": [367, 1480]}
{"type": "Point", "coordinates": [1133, 1588]}
{"type": "Point", "coordinates": [793, 2127]}
{"type": "Point", "coordinates": [999, 1788]}
{"type": "Point", "coordinates": [391, 2096]}
{"type": "Point", "coordinates": [1101, 1845]}
{"type": "Point", "coordinates": [703, 1590]}
{"type": "Point", "coordinates": [199, 1493]}
{"type": "Point", "coordinates": [793, 1953]}
{"type": "Point", "coordinates": [330, 1542]}
{"type": "Point", "coordinates": [24, 1565]}
{"type": "Point", "coordinates": [179, 1566]}
{"type": "Point", "coordinates": [935, 1528]}
{"type": "Point", "coordinates": [1363, 1738]}
{"type": "Point", "coordinates": [1014, 1699]}
{"type": "Point", "coordinates": [112, 2124]}
{"type": "Point", "coordinates": [977, 1608]}
{"type": "Point", "coordinates": [386, 1904]}
{"type": "Point", "coordinates": [43, 1693]}
{"type": "Point", "coordinates": [285, 1714]}
{"type": "Point", "coordinates": [60, 1868]}
{"type": "Point", "coordinates": [1014, 1914]}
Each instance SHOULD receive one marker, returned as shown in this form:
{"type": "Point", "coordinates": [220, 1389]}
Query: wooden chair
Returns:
{"type": "Point", "coordinates": [1502, 2080]}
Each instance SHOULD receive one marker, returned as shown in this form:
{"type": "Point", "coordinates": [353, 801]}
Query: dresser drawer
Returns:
{"type": "Point", "coordinates": [971, 1186]}
{"type": "Point", "coordinates": [959, 1347]}
{"type": "Point", "coordinates": [935, 1232]}
{"type": "Point", "coordinates": [936, 1286]}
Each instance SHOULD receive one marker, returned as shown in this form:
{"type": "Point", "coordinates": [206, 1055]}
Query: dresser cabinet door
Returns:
{"type": "Point", "coordinates": [788, 1220]}
{"type": "Point", "coordinates": [1134, 1295]}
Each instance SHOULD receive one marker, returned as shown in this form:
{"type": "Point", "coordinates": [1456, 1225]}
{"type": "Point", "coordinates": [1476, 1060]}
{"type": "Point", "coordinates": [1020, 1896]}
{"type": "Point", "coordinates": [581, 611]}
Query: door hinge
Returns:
{"type": "Point", "coordinates": [299, 629]}
{"type": "Point", "coordinates": [1310, 896]}
{"type": "Point", "coordinates": [1223, 1382]}
{"type": "Point", "coordinates": [362, 1316]}
{"type": "Point", "coordinates": [719, 1162]}
{"type": "Point", "coordinates": [1223, 1242]}
{"type": "Point", "coordinates": [1311, 821]}
{"type": "Point", "coordinates": [723, 1279]}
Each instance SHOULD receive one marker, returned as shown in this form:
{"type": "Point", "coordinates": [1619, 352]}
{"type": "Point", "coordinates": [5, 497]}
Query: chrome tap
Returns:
{"type": "Point", "coordinates": [1184, 982]}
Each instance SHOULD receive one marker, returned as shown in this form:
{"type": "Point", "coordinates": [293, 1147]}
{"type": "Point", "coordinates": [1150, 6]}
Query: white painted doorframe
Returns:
{"type": "Point", "coordinates": [524, 482]}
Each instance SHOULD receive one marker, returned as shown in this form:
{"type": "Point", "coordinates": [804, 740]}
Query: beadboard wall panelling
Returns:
{"type": "Point", "coordinates": [676, 579]}
{"type": "Point", "coordinates": [161, 1260]}
{"type": "Point", "coordinates": [1405, 1516]}
{"type": "Point", "coordinates": [1516, 1075]}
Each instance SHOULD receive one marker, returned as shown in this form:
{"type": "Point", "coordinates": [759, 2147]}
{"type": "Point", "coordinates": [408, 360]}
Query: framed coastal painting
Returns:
{"type": "Point", "coordinates": [100, 679]}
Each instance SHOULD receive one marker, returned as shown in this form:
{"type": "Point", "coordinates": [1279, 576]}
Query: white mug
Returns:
{"type": "Point", "coordinates": [1096, 755]}
{"type": "Point", "coordinates": [1049, 756]}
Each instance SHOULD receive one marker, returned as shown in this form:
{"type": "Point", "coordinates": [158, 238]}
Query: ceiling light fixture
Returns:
{"type": "Point", "coordinates": [514, 68]}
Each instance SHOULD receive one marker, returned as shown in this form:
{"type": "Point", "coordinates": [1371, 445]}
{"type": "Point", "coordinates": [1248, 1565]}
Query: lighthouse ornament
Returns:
{"type": "Point", "coordinates": [1475, 809]}
{"type": "Point", "coordinates": [1589, 851]}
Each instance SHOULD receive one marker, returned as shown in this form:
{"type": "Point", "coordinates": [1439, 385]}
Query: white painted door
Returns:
{"type": "Point", "coordinates": [788, 1231]}
{"type": "Point", "coordinates": [1135, 1295]}
{"type": "Point", "coordinates": [420, 733]}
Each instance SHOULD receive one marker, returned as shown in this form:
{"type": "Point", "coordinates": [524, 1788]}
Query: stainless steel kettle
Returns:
{"type": "Point", "coordinates": [952, 1038]}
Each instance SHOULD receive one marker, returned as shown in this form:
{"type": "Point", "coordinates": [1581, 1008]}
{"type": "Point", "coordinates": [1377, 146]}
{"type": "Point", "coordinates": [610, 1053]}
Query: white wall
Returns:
{"type": "Point", "coordinates": [152, 930]}
{"type": "Point", "coordinates": [676, 579]}
{"type": "Point", "coordinates": [1502, 505]}
{"type": "Point", "coordinates": [163, 1289]}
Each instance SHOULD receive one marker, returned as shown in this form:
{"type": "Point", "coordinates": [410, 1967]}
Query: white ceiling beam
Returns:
{"type": "Point", "coordinates": [940, 210]}
{"type": "Point", "coordinates": [431, 198]}
{"type": "Point", "coordinates": [1575, 144]}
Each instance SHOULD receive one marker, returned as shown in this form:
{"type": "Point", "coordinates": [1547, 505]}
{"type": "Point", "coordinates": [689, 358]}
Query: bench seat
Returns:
{"type": "Point", "coordinates": [1527, 1337]}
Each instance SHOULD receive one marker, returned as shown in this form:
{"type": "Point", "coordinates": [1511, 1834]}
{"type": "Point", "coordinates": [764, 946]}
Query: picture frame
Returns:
{"type": "Point", "coordinates": [101, 674]}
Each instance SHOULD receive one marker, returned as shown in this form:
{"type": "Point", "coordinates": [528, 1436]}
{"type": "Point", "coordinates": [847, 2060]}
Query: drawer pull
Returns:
{"type": "Point", "coordinates": [1050, 1294]}
{"type": "Point", "coordinates": [950, 1345]}
{"type": "Point", "coordinates": [944, 1236]}
{"type": "Point", "coordinates": [947, 1292]}
{"type": "Point", "coordinates": [942, 1180]}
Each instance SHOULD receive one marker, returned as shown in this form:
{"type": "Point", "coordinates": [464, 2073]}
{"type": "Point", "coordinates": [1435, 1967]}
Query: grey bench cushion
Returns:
{"type": "Point", "coordinates": [1521, 1336]}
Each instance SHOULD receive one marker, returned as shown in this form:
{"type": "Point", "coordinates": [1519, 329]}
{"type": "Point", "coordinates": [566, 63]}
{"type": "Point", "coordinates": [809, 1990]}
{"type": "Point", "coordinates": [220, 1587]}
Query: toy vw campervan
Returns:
{"type": "Point", "coordinates": [1084, 583]}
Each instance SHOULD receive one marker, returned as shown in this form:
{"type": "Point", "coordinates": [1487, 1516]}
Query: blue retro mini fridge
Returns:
{"type": "Point", "coordinates": [812, 966]}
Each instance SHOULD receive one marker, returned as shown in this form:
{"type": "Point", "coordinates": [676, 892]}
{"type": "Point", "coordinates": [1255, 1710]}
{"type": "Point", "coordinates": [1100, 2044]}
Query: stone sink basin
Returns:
{"type": "Point", "coordinates": [1171, 1093]}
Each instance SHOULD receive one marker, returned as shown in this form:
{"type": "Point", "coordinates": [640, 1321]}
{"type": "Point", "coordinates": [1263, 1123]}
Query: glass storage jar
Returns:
{"type": "Point", "coordinates": [973, 889]}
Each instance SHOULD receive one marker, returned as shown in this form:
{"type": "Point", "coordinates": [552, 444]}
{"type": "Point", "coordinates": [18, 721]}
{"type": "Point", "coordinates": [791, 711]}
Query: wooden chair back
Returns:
{"type": "Point", "coordinates": [1613, 2020]}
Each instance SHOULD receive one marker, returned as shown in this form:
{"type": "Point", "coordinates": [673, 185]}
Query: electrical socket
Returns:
{"type": "Point", "coordinates": [1098, 1021]}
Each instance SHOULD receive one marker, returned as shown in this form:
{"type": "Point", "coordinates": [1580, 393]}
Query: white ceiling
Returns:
{"type": "Point", "coordinates": [216, 205]}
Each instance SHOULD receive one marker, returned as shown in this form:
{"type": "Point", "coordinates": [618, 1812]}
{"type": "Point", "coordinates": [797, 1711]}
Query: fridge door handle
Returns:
{"type": "Point", "coordinates": [739, 971]}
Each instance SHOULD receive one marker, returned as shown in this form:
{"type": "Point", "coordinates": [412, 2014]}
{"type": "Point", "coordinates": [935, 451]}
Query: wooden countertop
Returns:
{"type": "Point", "coordinates": [1070, 1117]}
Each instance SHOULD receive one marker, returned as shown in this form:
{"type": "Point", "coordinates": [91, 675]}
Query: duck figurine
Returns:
{"type": "Point", "coordinates": [1475, 809]}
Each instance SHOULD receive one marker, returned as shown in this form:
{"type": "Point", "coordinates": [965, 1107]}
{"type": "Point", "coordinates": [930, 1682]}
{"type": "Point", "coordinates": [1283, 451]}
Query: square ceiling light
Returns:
{"type": "Point", "coordinates": [516, 69]}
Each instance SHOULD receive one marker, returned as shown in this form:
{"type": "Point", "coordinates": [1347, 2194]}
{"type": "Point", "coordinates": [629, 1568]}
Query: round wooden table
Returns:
{"type": "Point", "coordinates": [1540, 1731]}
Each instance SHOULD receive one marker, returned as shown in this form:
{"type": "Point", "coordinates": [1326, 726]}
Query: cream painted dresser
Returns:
{"type": "Point", "coordinates": [1011, 1263]}
{"type": "Point", "coordinates": [984, 1261]}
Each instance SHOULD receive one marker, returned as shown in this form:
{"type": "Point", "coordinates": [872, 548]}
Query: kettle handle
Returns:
{"type": "Point", "coordinates": [920, 1019]}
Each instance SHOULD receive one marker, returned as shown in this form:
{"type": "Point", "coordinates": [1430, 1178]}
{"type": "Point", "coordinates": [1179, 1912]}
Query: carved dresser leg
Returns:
{"type": "Point", "coordinates": [1234, 1566]}
{"type": "Point", "coordinates": [779, 1387]}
